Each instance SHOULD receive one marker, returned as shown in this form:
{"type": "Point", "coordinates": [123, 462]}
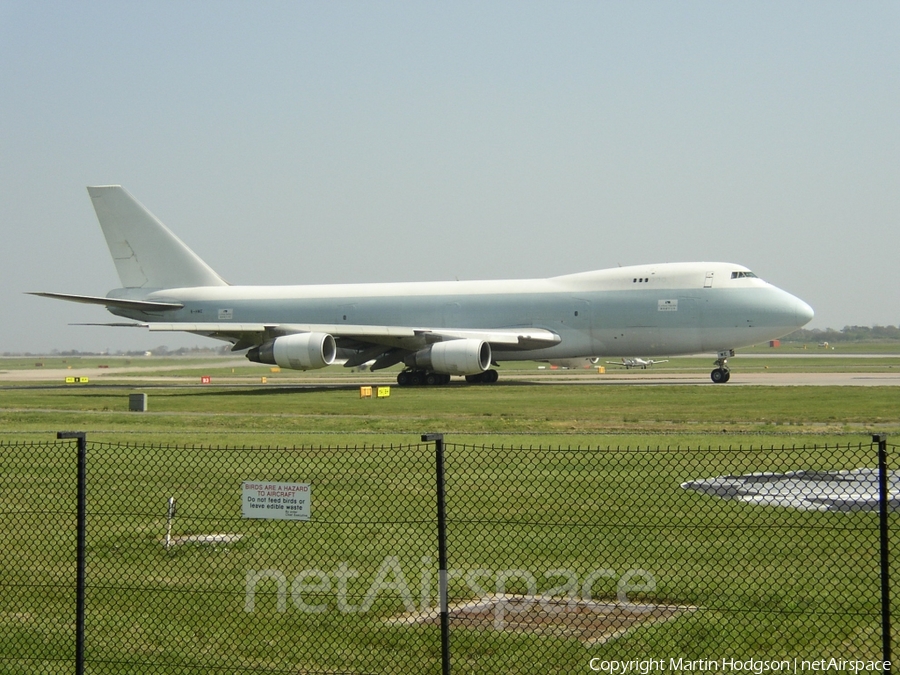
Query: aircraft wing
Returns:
{"type": "Point", "coordinates": [245, 335]}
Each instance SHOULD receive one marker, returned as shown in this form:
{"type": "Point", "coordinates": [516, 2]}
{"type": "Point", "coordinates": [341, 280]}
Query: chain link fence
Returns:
{"type": "Point", "coordinates": [328, 559]}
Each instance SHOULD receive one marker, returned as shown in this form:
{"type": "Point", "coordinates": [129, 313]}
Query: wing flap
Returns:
{"type": "Point", "coordinates": [508, 338]}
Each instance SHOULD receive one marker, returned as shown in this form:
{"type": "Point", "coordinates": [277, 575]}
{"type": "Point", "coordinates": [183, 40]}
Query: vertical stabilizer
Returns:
{"type": "Point", "coordinates": [147, 254]}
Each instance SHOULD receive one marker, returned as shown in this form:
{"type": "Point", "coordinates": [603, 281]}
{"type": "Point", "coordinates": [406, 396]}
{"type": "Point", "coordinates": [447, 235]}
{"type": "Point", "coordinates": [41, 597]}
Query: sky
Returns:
{"type": "Point", "coordinates": [330, 142]}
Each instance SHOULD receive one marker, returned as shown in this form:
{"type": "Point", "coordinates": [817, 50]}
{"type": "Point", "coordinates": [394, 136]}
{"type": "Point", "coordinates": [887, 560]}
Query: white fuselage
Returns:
{"type": "Point", "coordinates": [651, 310]}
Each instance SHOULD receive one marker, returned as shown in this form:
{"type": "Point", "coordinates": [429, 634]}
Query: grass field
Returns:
{"type": "Point", "coordinates": [768, 582]}
{"type": "Point", "coordinates": [292, 407]}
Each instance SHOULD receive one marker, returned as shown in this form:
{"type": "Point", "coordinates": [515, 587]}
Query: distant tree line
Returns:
{"type": "Point", "coordinates": [846, 334]}
{"type": "Point", "coordinates": [162, 350]}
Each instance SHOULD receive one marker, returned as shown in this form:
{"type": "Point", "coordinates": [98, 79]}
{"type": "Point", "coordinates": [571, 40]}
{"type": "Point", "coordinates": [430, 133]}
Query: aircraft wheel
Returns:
{"type": "Point", "coordinates": [445, 378]}
{"type": "Point", "coordinates": [490, 376]}
{"type": "Point", "coordinates": [415, 379]}
{"type": "Point", "coordinates": [431, 379]}
{"type": "Point", "coordinates": [403, 378]}
{"type": "Point", "coordinates": [475, 379]}
{"type": "Point", "coordinates": [720, 376]}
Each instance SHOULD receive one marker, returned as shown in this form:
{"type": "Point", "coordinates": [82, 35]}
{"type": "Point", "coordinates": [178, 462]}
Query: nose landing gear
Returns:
{"type": "Point", "coordinates": [721, 374]}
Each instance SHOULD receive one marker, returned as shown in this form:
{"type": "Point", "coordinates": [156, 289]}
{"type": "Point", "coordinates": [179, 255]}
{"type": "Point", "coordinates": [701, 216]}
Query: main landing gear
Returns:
{"type": "Point", "coordinates": [721, 374]}
{"type": "Point", "coordinates": [417, 377]}
{"type": "Point", "coordinates": [487, 377]}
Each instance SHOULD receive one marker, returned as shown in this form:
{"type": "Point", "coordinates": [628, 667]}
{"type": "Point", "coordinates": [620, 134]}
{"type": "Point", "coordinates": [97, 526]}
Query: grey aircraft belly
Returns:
{"type": "Point", "coordinates": [439, 329]}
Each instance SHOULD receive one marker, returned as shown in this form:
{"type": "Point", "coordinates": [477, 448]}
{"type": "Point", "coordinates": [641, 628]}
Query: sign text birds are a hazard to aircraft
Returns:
{"type": "Point", "coordinates": [275, 501]}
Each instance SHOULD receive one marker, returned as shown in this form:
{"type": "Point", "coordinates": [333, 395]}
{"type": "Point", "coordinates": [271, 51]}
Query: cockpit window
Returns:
{"type": "Point", "coordinates": [743, 275]}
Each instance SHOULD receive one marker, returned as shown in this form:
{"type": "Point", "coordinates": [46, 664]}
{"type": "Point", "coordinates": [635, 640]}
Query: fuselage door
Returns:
{"type": "Point", "coordinates": [346, 313]}
{"type": "Point", "coordinates": [581, 315]}
{"type": "Point", "coordinates": [708, 282]}
{"type": "Point", "coordinates": [451, 315]}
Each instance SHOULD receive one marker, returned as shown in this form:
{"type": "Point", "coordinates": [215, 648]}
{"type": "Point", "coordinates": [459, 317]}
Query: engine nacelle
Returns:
{"type": "Point", "coordinates": [300, 351]}
{"type": "Point", "coordinates": [454, 357]}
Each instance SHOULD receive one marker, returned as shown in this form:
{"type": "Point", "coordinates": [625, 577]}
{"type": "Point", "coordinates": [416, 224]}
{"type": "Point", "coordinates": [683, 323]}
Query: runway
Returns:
{"type": "Point", "coordinates": [768, 379]}
{"type": "Point", "coordinates": [135, 375]}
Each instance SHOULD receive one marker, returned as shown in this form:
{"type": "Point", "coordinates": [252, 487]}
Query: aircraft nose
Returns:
{"type": "Point", "coordinates": [796, 312]}
{"type": "Point", "coordinates": [805, 313]}
{"type": "Point", "coordinates": [788, 311]}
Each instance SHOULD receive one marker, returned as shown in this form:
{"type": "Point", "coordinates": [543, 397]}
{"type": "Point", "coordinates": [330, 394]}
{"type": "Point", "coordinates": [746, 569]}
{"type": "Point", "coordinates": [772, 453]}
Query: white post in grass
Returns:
{"type": "Point", "coordinates": [169, 516]}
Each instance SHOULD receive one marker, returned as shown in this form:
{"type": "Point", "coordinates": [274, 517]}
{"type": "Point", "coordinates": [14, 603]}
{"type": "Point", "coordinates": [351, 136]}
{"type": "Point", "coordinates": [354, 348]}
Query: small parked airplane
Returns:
{"type": "Point", "coordinates": [439, 328]}
{"type": "Point", "coordinates": [635, 362]}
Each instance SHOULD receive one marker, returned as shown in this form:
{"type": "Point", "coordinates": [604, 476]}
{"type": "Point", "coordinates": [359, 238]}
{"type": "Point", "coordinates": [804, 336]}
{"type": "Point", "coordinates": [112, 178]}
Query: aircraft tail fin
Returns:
{"type": "Point", "coordinates": [147, 254]}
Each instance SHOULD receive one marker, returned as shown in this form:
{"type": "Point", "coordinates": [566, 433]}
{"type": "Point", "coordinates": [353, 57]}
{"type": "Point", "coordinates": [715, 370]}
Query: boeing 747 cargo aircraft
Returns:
{"type": "Point", "coordinates": [438, 329]}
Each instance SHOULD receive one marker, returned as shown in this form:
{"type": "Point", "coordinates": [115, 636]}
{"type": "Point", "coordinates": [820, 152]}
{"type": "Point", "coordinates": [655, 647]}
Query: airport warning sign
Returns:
{"type": "Point", "coordinates": [267, 500]}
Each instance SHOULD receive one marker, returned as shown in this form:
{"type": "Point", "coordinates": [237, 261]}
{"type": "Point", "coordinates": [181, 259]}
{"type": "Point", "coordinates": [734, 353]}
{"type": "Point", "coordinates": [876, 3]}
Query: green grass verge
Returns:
{"type": "Point", "coordinates": [767, 582]}
{"type": "Point", "coordinates": [519, 414]}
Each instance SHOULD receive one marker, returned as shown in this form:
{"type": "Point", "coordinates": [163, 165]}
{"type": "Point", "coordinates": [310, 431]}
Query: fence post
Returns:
{"type": "Point", "coordinates": [442, 550]}
{"type": "Point", "coordinates": [81, 544]}
{"type": "Point", "coordinates": [883, 503]}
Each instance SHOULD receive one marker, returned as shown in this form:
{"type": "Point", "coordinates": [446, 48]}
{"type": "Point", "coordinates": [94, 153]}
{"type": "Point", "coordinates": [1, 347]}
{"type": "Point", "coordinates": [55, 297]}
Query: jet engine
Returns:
{"type": "Point", "coordinates": [454, 357]}
{"type": "Point", "coordinates": [300, 351]}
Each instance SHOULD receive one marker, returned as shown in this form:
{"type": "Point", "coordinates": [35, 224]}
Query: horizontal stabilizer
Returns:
{"type": "Point", "coordinates": [119, 324]}
{"type": "Point", "coordinates": [121, 303]}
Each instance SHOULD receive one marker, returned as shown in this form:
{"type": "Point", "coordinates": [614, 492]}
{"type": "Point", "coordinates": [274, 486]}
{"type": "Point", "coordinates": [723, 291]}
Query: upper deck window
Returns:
{"type": "Point", "coordinates": [743, 275]}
